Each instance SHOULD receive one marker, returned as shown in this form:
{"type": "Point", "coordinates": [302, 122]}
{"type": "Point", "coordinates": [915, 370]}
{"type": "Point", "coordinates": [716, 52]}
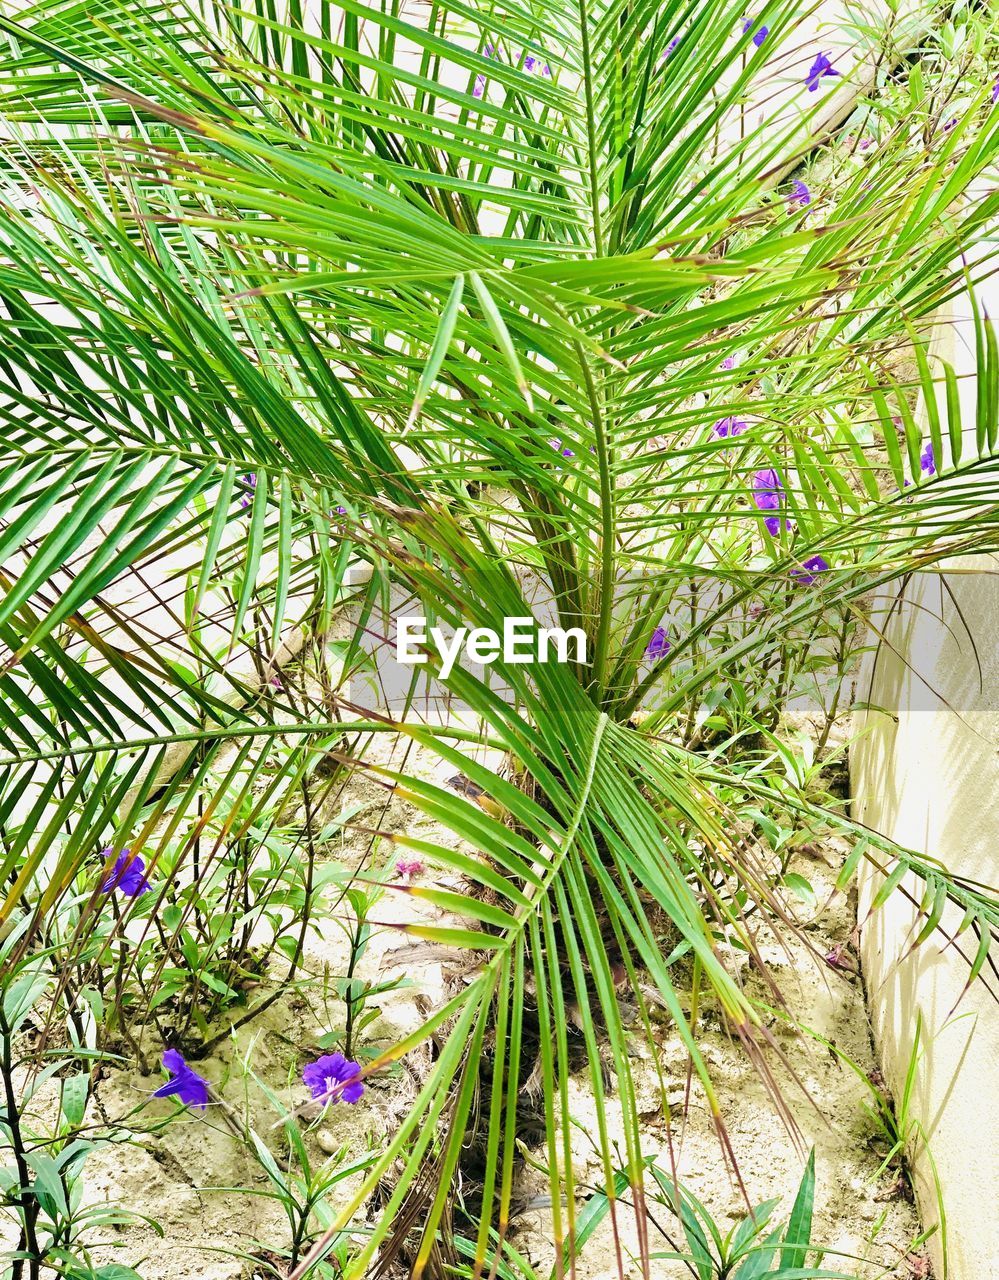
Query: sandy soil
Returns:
{"type": "Point", "coordinates": [183, 1176]}
{"type": "Point", "coordinates": [856, 1214]}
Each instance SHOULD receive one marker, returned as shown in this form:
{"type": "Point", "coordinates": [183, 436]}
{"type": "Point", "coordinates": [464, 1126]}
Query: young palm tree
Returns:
{"type": "Point", "coordinates": [471, 294]}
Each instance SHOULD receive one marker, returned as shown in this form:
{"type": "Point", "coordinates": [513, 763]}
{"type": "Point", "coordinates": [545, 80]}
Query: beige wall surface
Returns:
{"type": "Point", "coordinates": [930, 780]}
{"type": "Point", "coordinates": [925, 772]}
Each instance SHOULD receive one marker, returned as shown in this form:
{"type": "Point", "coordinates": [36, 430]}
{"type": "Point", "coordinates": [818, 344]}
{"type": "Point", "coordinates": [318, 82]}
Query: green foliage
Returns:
{"type": "Point", "coordinates": [300, 1185]}
{"type": "Point", "coordinates": [283, 296]}
{"type": "Point", "coordinates": [750, 1249]}
{"type": "Point", "coordinates": [46, 1146]}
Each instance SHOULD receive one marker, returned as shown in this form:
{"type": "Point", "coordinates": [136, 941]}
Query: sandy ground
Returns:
{"type": "Point", "coordinates": [855, 1213]}
{"type": "Point", "coordinates": [184, 1176]}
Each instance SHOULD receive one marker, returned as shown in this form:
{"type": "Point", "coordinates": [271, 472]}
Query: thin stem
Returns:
{"type": "Point", "coordinates": [606, 589]}
{"type": "Point", "coordinates": [591, 130]}
{"type": "Point", "coordinates": [26, 1199]}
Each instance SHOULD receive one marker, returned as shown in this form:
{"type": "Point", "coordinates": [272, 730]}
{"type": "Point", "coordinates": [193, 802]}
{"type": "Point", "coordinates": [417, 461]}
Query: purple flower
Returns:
{"type": "Point", "coordinates": [767, 487]}
{"type": "Point", "coordinates": [409, 869]}
{"type": "Point", "coordinates": [768, 496]}
{"type": "Point", "coordinates": [250, 481]}
{"type": "Point", "coordinates": [127, 874]}
{"type": "Point", "coordinates": [927, 461]}
{"type": "Point", "coordinates": [810, 570]}
{"type": "Point", "coordinates": [659, 645]}
{"type": "Point", "coordinates": [773, 525]}
{"type": "Point", "coordinates": [820, 67]}
{"type": "Point", "coordinates": [728, 363]}
{"type": "Point", "coordinates": [995, 91]}
{"type": "Point", "coordinates": [760, 35]}
{"type": "Point", "coordinates": [332, 1077]}
{"type": "Point", "coordinates": [557, 446]}
{"type": "Point", "coordinates": [488, 51]}
{"type": "Point", "coordinates": [839, 958]}
{"type": "Point", "coordinates": [186, 1085]}
{"type": "Point", "coordinates": [531, 63]}
{"type": "Point", "coordinates": [670, 47]}
{"type": "Point", "coordinates": [725, 427]}
{"type": "Point", "coordinates": [950, 124]}
{"type": "Point", "coordinates": [799, 193]}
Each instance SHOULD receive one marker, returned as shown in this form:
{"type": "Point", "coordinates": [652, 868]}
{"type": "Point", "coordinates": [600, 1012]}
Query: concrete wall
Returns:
{"type": "Point", "coordinates": [926, 773]}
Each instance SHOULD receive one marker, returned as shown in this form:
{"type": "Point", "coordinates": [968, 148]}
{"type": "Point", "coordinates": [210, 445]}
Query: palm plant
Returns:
{"type": "Point", "coordinates": [454, 296]}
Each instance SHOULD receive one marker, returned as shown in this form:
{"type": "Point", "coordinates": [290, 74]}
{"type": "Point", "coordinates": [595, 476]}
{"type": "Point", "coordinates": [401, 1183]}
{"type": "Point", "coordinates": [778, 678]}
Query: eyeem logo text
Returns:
{"type": "Point", "coordinates": [521, 641]}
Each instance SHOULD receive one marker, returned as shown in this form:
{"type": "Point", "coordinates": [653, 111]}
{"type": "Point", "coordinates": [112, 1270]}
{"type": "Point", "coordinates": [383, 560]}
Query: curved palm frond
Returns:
{"type": "Point", "coordinates": [280, 297]}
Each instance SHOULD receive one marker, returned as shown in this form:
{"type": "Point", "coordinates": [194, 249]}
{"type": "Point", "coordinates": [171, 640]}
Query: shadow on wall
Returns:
{"type": "Point", "coordinates": [925, 772]}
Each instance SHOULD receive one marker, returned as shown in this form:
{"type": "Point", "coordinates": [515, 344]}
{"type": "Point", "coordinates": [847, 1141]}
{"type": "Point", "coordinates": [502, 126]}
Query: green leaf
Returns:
{"type": "Point", "coordinates": [798, 1234]}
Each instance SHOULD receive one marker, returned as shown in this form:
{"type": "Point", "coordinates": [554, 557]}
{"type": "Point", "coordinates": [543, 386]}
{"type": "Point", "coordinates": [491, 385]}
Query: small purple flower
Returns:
{"type": "Point", "coordinates": [250, 481]}
{"type": "Point", "coordinates": [409, 868]}
{"type": "Point", "coordinates": [332, 1078]}
{"type": "Point", "coordinates": [759, 36]}
{"type": "Point", "coordinates": [800, 193]}
{"type": "Point", "coordinates": [865, 143]}
{"type": "Point", "coordinates": [768, 496]}
{"type": "Point", "coordinates": [127, 874]}
{"type": "Point", "coordinates": [729, 427]}
{"type": "Point", "coordinates": [950, 124]}
{"type": "Point", "coordinates": [767, 490]}
{"type": "Point", "coordinates": [531, 63]}
{"type": "Point", "coordinates": [995, 91]}
{"type": "Point", "coordinates": [557, 446]}
{"type": "Point", "coordinates": [810, 570]}
{"type": "Point", "coordinates": [670, 47]}
{"type": "Point", "coordinates": [839, 958]}
{"type": "Point", "coordinates": [187, 1086]}
{"type": "Point", "coordinates": [659, 645]}
{"type": "Point", "coordinates": [728, 363]}
{"type": "Point", "coordinates": [489, 51]}
{"type": "Point", "coordinates": [927, 461]}
{"type": "Point", "coordinates": [819, 68]}
{"type": "Point", "coordinates": [773, 525]}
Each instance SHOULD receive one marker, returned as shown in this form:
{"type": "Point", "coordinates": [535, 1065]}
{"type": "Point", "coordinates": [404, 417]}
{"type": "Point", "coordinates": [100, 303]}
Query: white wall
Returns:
{"type": "Point", "coordinates": [926, 773]}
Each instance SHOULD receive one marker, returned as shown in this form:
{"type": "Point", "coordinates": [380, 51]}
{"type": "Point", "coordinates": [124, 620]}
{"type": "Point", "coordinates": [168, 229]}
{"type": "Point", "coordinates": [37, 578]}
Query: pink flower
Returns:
{"type": "Point", "coordinates": [838, 958]}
